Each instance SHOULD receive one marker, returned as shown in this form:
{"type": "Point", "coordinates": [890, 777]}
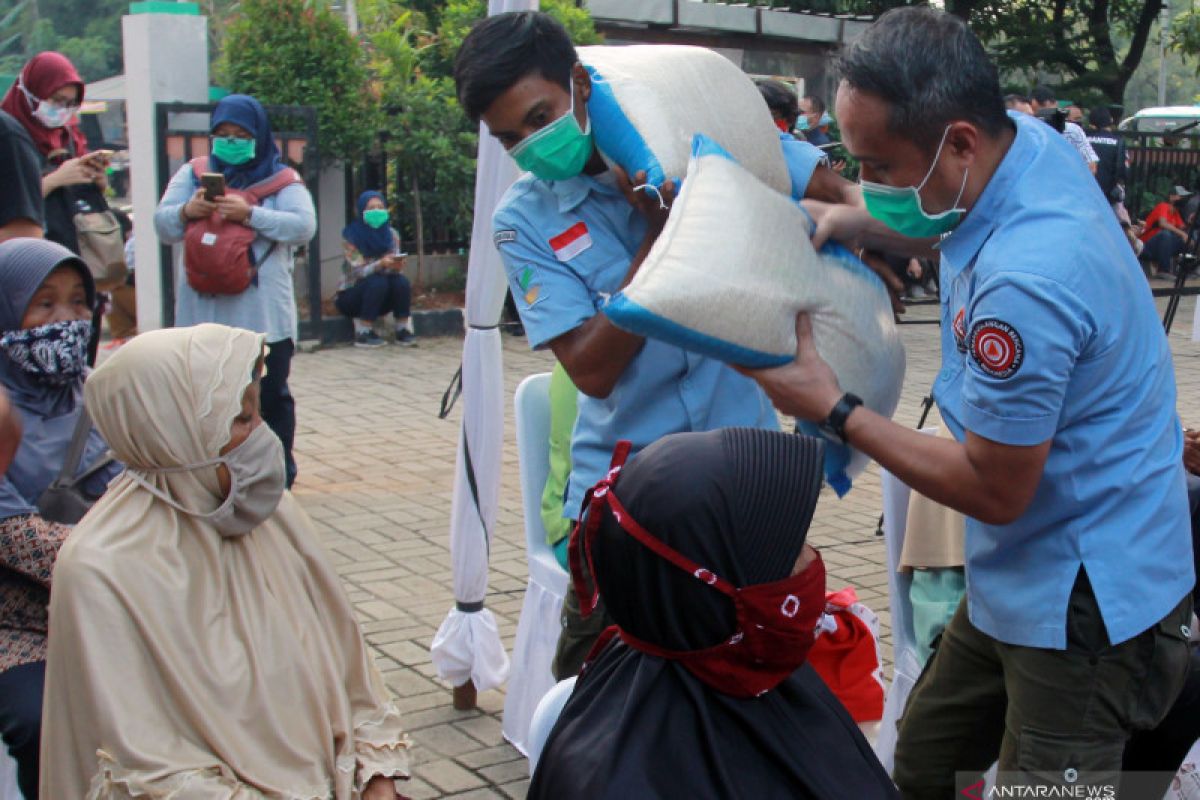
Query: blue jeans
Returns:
{"type": "Point", "coordinates": [1162, 248]}
{"type": "Point", "coordinates": [376, 295]}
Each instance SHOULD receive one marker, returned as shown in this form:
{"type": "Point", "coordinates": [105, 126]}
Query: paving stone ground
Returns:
{"type": "Point", "coordinates": [376, 474]}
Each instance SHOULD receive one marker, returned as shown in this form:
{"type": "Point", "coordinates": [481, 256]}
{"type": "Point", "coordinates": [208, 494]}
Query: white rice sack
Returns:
{"type": "Point", "coordinates": [733, 267]}
{"type": "Point", "coordinates": [649, 100]}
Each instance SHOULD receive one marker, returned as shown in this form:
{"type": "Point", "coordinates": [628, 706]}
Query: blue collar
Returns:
{"type": "Point", "coordinates": [573, 191]}
{"type": "Point", "coordinates": [961, 245]}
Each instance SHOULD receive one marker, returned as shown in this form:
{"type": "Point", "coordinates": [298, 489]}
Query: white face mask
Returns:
{"type": "Point", "coordinates": [52, 115]}
{"type": "Point", "coordinates": [257, 477]}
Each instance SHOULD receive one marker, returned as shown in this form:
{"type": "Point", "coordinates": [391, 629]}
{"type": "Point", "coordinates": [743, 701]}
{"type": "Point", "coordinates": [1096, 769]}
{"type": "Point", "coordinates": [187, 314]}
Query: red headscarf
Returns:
{"type": "Point", "coordinates": [42, 76]}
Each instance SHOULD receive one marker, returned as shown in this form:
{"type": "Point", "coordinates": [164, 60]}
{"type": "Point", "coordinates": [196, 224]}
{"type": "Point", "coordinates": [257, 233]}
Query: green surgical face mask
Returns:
{"type": "Point", "coordinates": [558, 151]}
{"type": "Point", "coordinates": [375, 217]}
{"type": "Point", "coordinates": [233, 150]}
{"type": "Point", "coordinates": [899, 207]}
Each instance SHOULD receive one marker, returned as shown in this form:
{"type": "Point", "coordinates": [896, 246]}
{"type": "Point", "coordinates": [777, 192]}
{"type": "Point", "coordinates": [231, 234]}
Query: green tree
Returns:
{"type": "Point", "coordinates": [1094, 45]}
{"type": "Point", "coordinates": [294, 52]}
{"type": "Point", "coordinates": [86, 31]}
{"type": "Point", "coordinates": [459, 15]}
{"type": "Point", "coordinates": [433, 145]}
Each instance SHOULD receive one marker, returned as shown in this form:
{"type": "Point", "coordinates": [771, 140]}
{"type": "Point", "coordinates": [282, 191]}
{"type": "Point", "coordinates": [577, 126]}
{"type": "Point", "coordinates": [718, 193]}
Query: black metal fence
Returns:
{"type": "Point", "coordinates": [436, 209]}
{"type": "Point", "coordinates": [181, 133]}
{"type": "Point", "coordinates": [1158, 162]}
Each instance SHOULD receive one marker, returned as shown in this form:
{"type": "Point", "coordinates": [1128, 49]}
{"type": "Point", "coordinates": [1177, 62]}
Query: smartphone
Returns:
{"type": "Point", "coordinates": [214, 185]}
{"type": "Point", "coordinates": [100, 157]}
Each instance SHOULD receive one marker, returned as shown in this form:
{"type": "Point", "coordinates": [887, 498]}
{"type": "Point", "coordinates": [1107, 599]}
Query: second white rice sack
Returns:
{"type": "Point", "coordinates": [733, 267]}
{"type": "Point", "coordinates": [648, 100]}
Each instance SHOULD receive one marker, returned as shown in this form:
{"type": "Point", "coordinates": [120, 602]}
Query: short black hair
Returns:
{"type": "Point", "coordinates": [1013, 99]}
{"type": "Point", "coordinates": [930, 69]}
{"type": "Point", "coordinates": [818, 105]}
{"type": "Point", "coordinates": [780, 99]}
{"type": "Point", "coordinates": [1100, 117]}
{"type": "Point", "coordinates": [1044, 94]}
{"type": "Point", "coordinates": [501, 50]}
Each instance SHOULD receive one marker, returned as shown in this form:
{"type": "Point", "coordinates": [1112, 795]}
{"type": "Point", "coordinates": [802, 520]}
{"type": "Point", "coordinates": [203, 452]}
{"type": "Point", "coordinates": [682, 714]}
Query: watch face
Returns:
{"type": "Point", "coordinates": [829, 433]}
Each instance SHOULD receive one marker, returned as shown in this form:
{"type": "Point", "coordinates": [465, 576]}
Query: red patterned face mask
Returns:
{"type": "Point", "coordinates": [776, 622]}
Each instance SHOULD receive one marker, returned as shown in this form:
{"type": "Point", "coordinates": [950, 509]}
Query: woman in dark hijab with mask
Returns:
{"type": "Point", "coordinates": [698, 551]}
{"type": "Point", "coordinates": [46, 298]}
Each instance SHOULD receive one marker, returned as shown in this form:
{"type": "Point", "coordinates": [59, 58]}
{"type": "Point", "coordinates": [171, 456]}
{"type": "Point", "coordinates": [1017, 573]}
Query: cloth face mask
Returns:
{"type": "Point", "coordinates": [53, 354]}
{"type": "Point", "coordinates": [776, 621]}
{"type": "Point", "coordinates": [558, 151]}
{"type": "Point", "coordinates": [899, 207]}
{"type": "Point", "coordinates": [233, 150]}
{"type": "Point", "coordinates": [257, 482]}
{"type": "Point", "coordinates": [375, 217]}
{"type": "Point", "coordinates": [52, 115]}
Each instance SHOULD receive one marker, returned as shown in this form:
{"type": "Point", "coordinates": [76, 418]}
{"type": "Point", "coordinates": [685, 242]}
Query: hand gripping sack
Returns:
{"type": "Point", "coordinates": [218, 255]}
{"type": "Point", "coordinates": [649, 100]}
{"type": "Point", "coordinates": [729, 273]}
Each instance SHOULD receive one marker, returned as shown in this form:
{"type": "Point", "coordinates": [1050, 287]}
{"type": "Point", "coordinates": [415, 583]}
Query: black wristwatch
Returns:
{"type": "Point", "coordinates": [834, 426]}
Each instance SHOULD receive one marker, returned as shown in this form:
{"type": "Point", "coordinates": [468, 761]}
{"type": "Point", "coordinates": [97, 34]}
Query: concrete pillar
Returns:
{"type": "Point", "coordinates": [332, 205]}
{"type": "Point", "coordinates": [166, 60]}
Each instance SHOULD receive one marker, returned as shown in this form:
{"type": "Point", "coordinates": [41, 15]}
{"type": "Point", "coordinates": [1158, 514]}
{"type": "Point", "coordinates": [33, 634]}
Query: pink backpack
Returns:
{"type": "Point", "coordinates": [217, 253]}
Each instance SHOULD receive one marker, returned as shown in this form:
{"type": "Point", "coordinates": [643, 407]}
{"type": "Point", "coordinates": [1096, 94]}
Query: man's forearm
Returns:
{"type": "Point", "coordinates": [877, 236]}
{"type": "Point", "coordinates": [596, 354]}
{"type": "Point", "coordinates": [944, 471]}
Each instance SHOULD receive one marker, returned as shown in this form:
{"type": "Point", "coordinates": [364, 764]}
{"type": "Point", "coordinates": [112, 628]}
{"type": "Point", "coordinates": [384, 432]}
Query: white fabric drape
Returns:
{"type": "Point", "coordinates": [467, 645]}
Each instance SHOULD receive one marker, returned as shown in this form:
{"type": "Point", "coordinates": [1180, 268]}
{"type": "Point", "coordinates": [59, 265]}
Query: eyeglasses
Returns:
{"type": "Point", "coordinates": [70, 105]}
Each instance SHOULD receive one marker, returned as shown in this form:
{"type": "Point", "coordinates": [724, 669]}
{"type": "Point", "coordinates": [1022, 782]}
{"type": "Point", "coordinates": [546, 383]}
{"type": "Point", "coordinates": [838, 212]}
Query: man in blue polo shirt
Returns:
{"type": "Point", "coordinates": [1056, 382]}
{"type": "Point", "coordinates": [572, 233]}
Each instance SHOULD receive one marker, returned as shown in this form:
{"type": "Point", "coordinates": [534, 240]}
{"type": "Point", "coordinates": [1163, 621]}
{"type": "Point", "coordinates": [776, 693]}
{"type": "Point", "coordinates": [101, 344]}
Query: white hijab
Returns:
{"type": "Point", "coordinates": [184, 664]}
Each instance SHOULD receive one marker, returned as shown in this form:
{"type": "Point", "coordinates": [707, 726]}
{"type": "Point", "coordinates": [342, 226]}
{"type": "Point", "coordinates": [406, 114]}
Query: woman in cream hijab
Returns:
{"type": "Point", "coordinates": [201, 645]}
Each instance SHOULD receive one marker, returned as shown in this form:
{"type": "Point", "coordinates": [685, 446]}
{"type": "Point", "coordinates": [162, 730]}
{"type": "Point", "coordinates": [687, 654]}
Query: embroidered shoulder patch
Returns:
{"type": "Point", "coordinates": [504, 237]}
{"type": "Point", "coordinates": [960, 330]}
{"type": "Point", "coordinates": [996, 347]}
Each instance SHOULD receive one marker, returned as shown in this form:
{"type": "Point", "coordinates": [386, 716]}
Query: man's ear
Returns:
{"type": "Point", "coordinates": [581, 80]}
{"type": "Point", "coordinates": [963, 141]}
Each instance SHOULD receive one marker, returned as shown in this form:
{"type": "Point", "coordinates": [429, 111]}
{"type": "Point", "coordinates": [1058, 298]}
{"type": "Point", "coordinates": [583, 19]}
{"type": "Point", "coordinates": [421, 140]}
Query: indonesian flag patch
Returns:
{"type": "Point", "coordinates": [996, 347]}
{"type": "Point", "coordinates": [571, 242]}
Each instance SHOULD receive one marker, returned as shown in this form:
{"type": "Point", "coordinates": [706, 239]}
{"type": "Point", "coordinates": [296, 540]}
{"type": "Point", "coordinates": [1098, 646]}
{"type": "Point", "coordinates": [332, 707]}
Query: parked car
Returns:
{"type": "Point", "coordinates": [1164, 120]}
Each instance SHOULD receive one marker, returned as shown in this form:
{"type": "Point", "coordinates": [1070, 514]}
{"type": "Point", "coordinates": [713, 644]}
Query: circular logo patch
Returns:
{"type": "Point", "coordinates": [996, 347]}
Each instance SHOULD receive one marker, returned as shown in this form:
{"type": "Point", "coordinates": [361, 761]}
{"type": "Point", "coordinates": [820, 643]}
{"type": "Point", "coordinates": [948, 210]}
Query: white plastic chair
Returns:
{"type": "Point", "coordinates": [539, 625]}
{"type": "Point", "coordinates": [8, 776]}
{"type": "Point", "coordinates": [545, 716]}
{"type": "Point", "coordinates": [907, 664]}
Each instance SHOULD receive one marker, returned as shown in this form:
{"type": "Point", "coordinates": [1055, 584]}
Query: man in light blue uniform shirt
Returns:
{"type": "Point", "coordinates": [571, 234]}
{"type": "Point", "coordinates": [1058, 386]}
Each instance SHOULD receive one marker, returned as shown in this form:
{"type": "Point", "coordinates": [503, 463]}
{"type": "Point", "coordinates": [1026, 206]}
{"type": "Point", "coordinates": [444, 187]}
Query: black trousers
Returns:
{"type": "Point", "coordinates": [276, 404]}
{"type": "Point", "coordinates": [21, 720]}
{"type": "Point", "coordinates": [376, 295]}
{"type": "Point", "coordinates": [1042, 712]}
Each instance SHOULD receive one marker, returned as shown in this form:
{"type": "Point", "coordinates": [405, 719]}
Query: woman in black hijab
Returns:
{"type": "Point", "coordinates": [692, 699]}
